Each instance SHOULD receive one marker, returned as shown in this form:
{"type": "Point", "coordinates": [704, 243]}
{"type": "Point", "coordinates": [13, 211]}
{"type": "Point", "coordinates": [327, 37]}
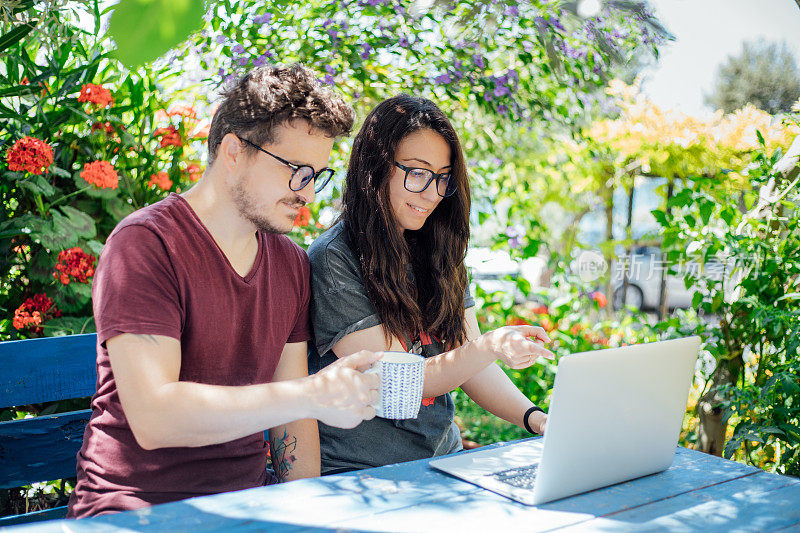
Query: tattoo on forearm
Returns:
{"type": "Point", "coordinates": [149, 338]}
{"type": "Point", "coordinates": [282, 451]}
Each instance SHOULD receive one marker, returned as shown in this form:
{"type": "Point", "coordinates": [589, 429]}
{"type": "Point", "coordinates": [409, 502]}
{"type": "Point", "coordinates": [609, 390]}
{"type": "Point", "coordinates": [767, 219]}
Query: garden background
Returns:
{"type": "Point", "coordinates": [99, 118]}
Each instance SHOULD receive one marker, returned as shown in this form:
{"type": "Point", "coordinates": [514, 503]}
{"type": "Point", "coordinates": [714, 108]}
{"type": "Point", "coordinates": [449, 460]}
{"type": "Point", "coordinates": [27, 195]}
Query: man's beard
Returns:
{"type": "Point", "coordinates": [249, 211]}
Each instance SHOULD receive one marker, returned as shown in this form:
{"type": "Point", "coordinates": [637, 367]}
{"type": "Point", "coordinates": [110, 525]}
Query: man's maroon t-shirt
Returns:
{"type": "Point", "coordinates": [162, 273]}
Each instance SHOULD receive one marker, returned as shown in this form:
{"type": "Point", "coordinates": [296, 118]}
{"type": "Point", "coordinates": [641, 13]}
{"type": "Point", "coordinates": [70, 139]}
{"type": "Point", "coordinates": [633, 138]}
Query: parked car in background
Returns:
{"type": "Point", "coordinates": [496, 270]}
{"type": "Point", "coordinates": [645, 268]}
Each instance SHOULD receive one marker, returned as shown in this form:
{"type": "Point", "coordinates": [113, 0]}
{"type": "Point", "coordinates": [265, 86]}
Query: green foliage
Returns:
{"type": "Point", "coordinates": [145, 29]}
{"type": "Point", "coordinates": [764, 74]}
{"type": "Point", "coordinates": [749, 277]}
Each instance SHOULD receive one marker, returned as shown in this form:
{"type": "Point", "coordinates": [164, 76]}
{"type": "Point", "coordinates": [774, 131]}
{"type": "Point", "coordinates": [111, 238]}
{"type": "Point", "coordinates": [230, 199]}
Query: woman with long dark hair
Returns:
{"type": "Point", "coordinates": [390, 275]}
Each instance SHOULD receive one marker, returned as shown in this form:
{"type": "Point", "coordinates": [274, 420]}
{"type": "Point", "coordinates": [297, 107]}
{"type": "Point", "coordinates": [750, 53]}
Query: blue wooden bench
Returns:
{"type": "Point", "coordinates": [43, 448]}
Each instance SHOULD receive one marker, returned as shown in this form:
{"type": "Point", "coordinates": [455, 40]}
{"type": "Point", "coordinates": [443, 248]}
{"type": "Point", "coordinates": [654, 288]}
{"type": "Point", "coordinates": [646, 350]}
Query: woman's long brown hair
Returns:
{"type": "Point", "coordinates": [435, 303]}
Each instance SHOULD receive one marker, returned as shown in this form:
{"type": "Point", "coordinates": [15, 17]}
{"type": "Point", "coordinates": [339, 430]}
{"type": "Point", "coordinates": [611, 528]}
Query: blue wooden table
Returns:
{"type": "Point", "coordinates": [697, 493]}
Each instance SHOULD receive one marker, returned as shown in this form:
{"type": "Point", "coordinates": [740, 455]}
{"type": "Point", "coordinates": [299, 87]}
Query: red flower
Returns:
{"type": "Point", "coordinates": [101, 174]}
{"type": "Point", "coordinates": [76, 264]}
{"type": "Point", "coordinates": [30, 154]}
{"type": "Point", "coordinates": [182, 110]}
{"type": "Point", "coordinates": [541, 310]}
{"type": "Point", "coordinates": [96, 94]}
{"type": "Point", "coordinates": [600, 298]}
{"type": "Point", "coordinates": [33, 312]}
{"type": "Point", "coordinates": [517, 321]}
{"type": "Point", "coordinates": [194, 171]}
{"type": "Point", "coordinates": [303, 217]}
{"type": "Point", "coordinates": [169, 136]}
{"type": "Point", "coordinates": [160, 180]}
{"type": "Point", "coordinates": [24, 81]}
{"type": "Point", "coordinates": [107, 127]}
{"type": "Point", "coordinates": [427, 402]}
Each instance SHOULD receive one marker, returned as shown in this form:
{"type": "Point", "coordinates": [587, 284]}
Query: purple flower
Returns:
{"type": "Point", "coordinates": [356, 95]}
{"type": "Point", "coordinates": [458, 64]}
{"type": "Point", "coordinates": [261, 60]}
{"type": "Point", "coordinates": [502, 109]}
{"type": "Point", "coordinates": [327, 23]}
{"type": "Point", "coordinates": [512, 11]}
{"type": "Point", "coordinates": [442, 79]}
{"type": "Point", "coordinates": [478, 61]}
{"type": "Point", "coordinates": [238, 49]}
{"type": "Point", "coordinates": [365, 53]}
{"type": "Point", "coordinates": [221, 39]}
{"type": "Point", "coordinates": [328, 80]}
{"type": "Point", "coordinates": [487, 96]}
{"type": "Point", "coordinates": [403, 41]}
{"type": "Point", "coordinates": [242, 61]}
{"type": "Point", "coordinates": [513, 75]}
{"type": "Point", "coordinates": [221, 72]}
{"type": "Point", "coordinates": [330, 70]}
{"type": "Point", "coordinates": [501, 90]}
{"type": "Point", "coordinates": [262, 19]}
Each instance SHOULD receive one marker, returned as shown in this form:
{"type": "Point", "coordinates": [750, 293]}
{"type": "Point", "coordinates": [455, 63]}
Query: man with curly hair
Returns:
{"type": "Point", "coordinates": [201, 306]}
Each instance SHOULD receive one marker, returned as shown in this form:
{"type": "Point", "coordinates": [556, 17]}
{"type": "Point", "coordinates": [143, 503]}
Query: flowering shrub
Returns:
{"type": "Point", "coordinates": [160, 180]}
{"type": "Point", "coordinates": [30, 155]}
{"type": "Point", "coordinates": [101, 174]}
{"type": "Point", "coordinates": [74, 264]}
{"type": "Point", "coordinates": [86, 144]}
{"type": "Point", "coordinates": [96, 94]}
{"type": "Point", "coordinates": [34, 312]}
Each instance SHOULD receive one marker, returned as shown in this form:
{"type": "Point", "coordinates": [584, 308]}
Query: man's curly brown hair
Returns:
{"type": "Point", "coordinates": [267, 97]}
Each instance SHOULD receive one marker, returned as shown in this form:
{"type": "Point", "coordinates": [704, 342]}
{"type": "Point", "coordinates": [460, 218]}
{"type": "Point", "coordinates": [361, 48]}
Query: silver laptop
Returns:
{"type": "Point", "coordinates": [614, 415]}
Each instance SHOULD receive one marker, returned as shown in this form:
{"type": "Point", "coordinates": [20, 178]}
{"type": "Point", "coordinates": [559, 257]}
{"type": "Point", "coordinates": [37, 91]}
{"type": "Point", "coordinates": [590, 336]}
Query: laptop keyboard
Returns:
{"type": "Point", "coordinates": [522, 477]}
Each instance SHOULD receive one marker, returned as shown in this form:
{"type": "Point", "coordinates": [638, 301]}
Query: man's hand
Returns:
{"type": "Point", "coordinates": [342, 394]}
{"type": "Point", "coordinates": [512, 345]}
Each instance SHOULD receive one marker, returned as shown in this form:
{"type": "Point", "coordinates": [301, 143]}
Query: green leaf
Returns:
{"type": "Point", "coordinates": [57, 234]}
{"type": "Point", "coordinates": [14, 36]}
{"type": "Point", "coordinates": [96, 247]}
{"type": "Point", "coordinates": [68, 325]}
{"type": "Point", "coordinates": [37, 185]}
{"type": "Point", "coordinates": [73, 297]}
{"type": "Point", "coordinates": [146, 29]}
{"type": "Point", "coordinates": [60, 172]}
{"type": "Point", "coordinates": [81, 223]}
{"type": "Point", "coordinates": [661, 217]}
{"type": "Point", "coordinates": [706, 209]}
{"type": "Point", "coordinates": [118, 208]}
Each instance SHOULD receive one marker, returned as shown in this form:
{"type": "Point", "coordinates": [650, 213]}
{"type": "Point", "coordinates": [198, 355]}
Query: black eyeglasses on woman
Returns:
{"type": "Point", "coordinates": [418, 179]}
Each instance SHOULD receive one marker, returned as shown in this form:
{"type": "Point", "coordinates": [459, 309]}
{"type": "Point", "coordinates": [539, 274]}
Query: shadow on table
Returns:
{"type": "Point", "coordinates": [178, 517]}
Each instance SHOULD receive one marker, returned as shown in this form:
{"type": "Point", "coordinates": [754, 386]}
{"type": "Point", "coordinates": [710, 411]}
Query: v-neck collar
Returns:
{"type": "Point", "coordinates": [247, 278]}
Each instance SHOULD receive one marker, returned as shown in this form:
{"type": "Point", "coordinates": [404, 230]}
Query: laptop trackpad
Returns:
{"type": "Point", "coordinates": [488, 462]}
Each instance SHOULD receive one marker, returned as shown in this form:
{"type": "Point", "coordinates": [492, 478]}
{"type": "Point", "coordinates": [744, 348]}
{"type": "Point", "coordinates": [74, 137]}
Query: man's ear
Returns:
{"type": "Point", "coordinates": [230, 151]}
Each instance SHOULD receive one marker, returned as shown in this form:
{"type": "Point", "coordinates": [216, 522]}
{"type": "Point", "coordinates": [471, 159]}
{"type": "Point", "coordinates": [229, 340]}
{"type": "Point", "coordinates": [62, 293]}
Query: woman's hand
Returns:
{"type": "Point", "coordinates": [514, 345]}
{"type": "Point", "coordinates": [537, 420]}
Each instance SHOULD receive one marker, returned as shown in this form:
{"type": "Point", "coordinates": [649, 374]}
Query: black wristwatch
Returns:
{"type": "Point", "coordinates": [525, 418]}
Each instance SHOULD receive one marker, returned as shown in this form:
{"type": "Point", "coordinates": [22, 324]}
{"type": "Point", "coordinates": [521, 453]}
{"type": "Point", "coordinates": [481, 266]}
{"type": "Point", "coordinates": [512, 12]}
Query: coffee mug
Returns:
{"type": "Point", "coordinates": [400, 391]}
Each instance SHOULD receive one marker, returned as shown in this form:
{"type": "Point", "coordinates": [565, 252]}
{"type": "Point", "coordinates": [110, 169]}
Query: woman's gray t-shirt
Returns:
{"type": "Point", "coordinates": [340, 306]}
